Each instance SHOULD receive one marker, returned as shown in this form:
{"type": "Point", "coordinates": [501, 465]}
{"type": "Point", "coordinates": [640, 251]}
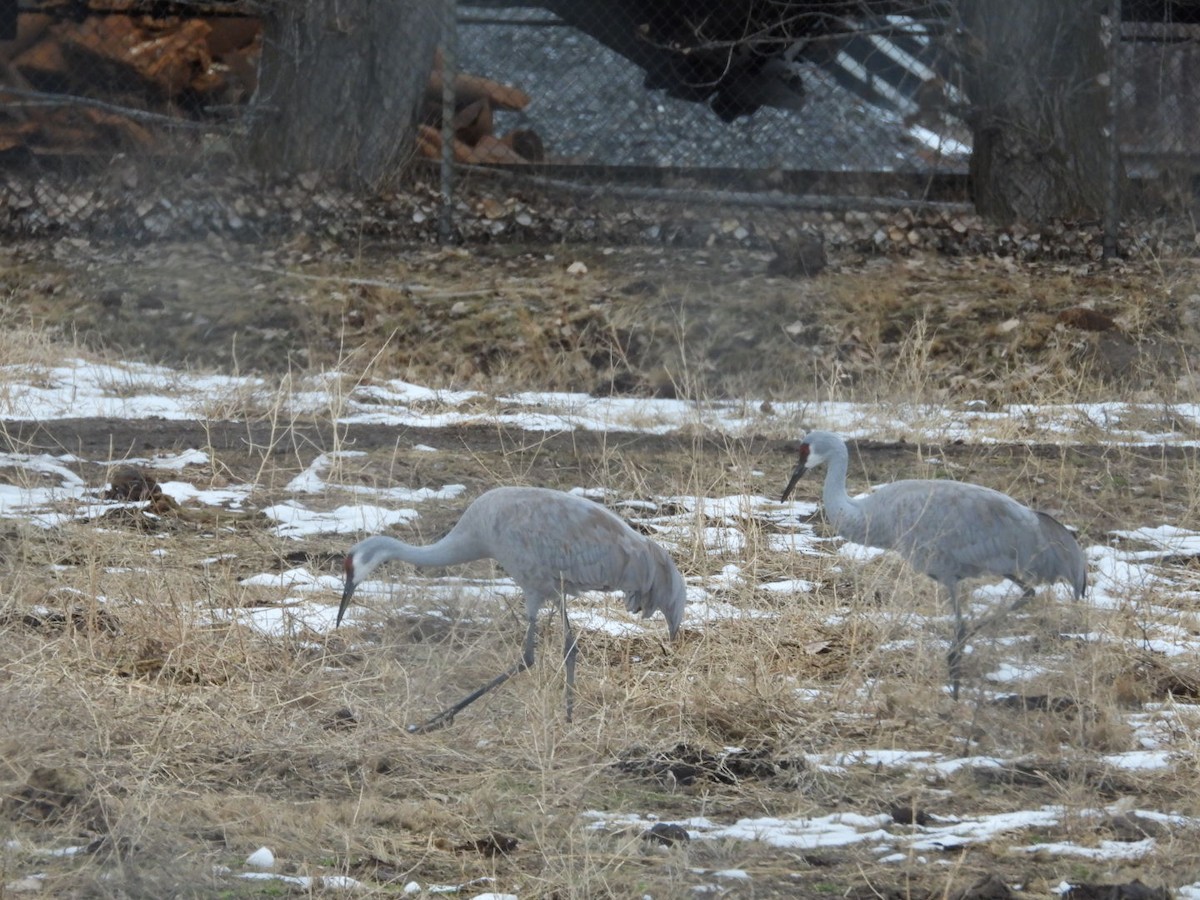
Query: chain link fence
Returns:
{"type": "Point", "coordinates": [597, 93]}
{"type": "Point", "coordinates": [598, 97]}
{"type": "Point", "coordinates": [1158, 108]}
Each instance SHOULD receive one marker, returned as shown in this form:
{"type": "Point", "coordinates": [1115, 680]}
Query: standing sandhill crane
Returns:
{"type": "Point", "coordinates": [552, 545]}
{"type": "Point", "coordinates": [947, 529]}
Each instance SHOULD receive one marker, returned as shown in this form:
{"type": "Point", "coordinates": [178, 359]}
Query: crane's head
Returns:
{"type": "Point", "coordinates": [348, 590]}
{"type": "Point", "coordinates": [361, 560]}
{"type": "Point", "coordinates": [812, 454]}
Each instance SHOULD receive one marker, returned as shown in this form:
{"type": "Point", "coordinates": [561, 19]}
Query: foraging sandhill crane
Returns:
{"type": "Point", "coordinates": [948, 530]}
{"type": "Point", "coordinates": [552, 545]}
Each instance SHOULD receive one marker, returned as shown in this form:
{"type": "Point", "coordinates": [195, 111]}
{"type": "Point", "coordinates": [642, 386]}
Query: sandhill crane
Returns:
{"type": "Point", "coordinates": [553, 545]}
{"type": "Point", "coordinates": [947, 529]}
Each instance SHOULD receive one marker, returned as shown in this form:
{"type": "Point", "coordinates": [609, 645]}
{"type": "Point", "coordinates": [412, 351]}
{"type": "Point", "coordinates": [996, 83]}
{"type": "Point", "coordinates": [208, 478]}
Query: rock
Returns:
{"type": "Point", "coordinates": [907, 814]}
{"type": "Point", "coordinates": [1086, 319]}
{"type": "Point", "coordinates": [1132, 890]}
{"type": "Point", "coordinates": [667, 833]}
{"type": "Point", "coordinates": [262, 858]}
{"type": "Point", "coordinates": [47, 795]}
{"type": "Point", "coordinates": [989, 887]}
{"type": "Point", "coordinates": [799, 257]}
{"type": "Point", "coordinates": [131, 483]}
{"type": "Point", "coordinates": [342, 720]}
{"type": "Point", "coordinates": [494, 844]}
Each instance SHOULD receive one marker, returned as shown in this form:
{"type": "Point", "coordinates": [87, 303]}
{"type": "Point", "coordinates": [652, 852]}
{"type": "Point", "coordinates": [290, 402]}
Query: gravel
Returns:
{"type": "Point", "coordinates": [589, 106]}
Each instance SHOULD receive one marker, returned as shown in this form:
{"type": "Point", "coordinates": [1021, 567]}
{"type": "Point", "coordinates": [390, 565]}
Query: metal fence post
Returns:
{"type": "Point", "coordinates": [1112, 211]}
{"type": "Point", "coordinates": [449, 70]}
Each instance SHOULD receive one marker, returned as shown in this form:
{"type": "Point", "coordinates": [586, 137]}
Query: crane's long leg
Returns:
{"type": "Point", "coordinates": [954, 657]}
{"type": "Point", "coordinates": [570, 651]}
{"type": "Point", "coordinates": [1027, 594]}
{"type": "Point", "coordinates": [446, 716]}
{"type": "Point", "coordinates": [962, 635]}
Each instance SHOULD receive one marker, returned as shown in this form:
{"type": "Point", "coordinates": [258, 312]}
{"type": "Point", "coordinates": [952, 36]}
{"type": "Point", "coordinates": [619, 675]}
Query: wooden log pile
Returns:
{"type": "Point", "coordinates": [475, 141]}
{"type": "Point", "coordinates": [78, 87]}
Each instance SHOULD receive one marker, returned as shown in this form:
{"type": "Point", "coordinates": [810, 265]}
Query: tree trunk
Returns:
{"type": "Point", "coordinates": [341, 87]}
{"type": "Point", "coordinates": [1035, 73]}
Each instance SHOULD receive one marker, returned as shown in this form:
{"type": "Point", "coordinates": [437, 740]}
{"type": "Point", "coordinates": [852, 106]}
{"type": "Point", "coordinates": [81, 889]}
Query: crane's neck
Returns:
{"type": "Point", "coordinates": [843, 513]}
{"type": "Point", "coordinates": [454, 548]}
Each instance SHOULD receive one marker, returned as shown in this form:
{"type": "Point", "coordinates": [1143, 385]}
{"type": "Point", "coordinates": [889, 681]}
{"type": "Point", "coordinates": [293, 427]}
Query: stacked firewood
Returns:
{"type": "Point", "coordinates": [121, 66]}
{"type": "Point", "coordinates": [475, 141]}
{"type": "Point", "coordinates": [116, 74]}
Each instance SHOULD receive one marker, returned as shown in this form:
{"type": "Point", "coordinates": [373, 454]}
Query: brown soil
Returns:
{"type": "Point", "coordinates": [649, 321]}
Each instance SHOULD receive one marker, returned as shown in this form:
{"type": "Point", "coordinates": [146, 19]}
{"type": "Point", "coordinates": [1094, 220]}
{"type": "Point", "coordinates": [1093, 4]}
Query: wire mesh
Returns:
{"type": "Point", "coordinates": [615, 86]}
{"type": "Point", "coordinates": [593, 103]}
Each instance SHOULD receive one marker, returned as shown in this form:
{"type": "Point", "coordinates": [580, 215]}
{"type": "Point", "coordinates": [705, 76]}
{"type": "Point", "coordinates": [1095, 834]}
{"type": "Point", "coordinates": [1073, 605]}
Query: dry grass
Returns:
{"type": "Point", "coordinates": [187, 745]}
{"type": "Point", "coordinates": [691, 323]}
{"type": "Point", "coordinates": [185, 741]}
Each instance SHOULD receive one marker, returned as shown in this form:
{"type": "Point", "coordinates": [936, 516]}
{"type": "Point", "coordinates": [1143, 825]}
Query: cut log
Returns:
{"type": "Point", "coordinates": [493, 151]}
{"type": "Point", "coordinates": [473, 121]}
{"type": "Point", "coordinates": [527, 144]}
{"type": "Point", "coordinates": [469, 88]}
{"type": "Point", "coordinates": [429, 143]}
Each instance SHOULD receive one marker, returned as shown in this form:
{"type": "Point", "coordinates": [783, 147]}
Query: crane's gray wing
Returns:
{"type": "Point", "coordinates": [1059, 556]}
{"type": "Point", "coordinates": [653, 584]}
{"type": "Point", "coordinates": [950, 530]}
{"type": "Point", "coordinates": [551, 543]}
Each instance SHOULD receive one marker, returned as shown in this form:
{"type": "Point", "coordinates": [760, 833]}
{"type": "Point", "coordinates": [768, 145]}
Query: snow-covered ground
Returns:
{"type": "Point", "coordinates": [42, 489]}
{"type": "Point", "coordinates": [136, 390]}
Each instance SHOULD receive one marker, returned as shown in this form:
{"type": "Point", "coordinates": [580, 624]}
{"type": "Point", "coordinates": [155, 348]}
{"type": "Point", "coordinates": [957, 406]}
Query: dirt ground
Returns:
{"type": "Point", "coordinates": [638, 320]}
{"type": "Point", "coordinates": [172, 749]}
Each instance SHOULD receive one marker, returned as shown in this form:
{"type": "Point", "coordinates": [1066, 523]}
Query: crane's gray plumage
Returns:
{"type": "Point", "coordinates": [552, 545]}
{"type": "Point", "coordinates": [948, 530]}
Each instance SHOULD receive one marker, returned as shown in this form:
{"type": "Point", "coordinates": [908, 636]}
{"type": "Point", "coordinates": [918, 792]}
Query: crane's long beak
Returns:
{"type": "Point", "coordinates": [346, 600]}
{"type": "Point", "coordinates": [348, 590]}
{"type": "Point", "coordinates": [797, 474]}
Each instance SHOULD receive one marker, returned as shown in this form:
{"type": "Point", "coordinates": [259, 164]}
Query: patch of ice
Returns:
{"type": "Point", "coordinates": [308, 882]}
{"type": "Point", "coordinates": [985, 828]}
{"type": "Point", "coordinates": [1110, 851]}
{"type": "Point", "coordinates": [186, 492]}
{"type": "Point", "coordinates": [790, 586]}
{"type": "Point", "coordinates": [1009, 672]}
{"type": "Point", "coordinates": [169, 461]}
{"type": "Point", "coordinates": [704, 609]}
{"type": "Point", "coordinates": [874, 758]}
{"type": "Point", "coordinates": [836, 830]}
{"type": "Point", "coordinates": [283, 621]}
{"type": "Point", "coordinates": [294, 578]}
{"type": "Point", "coordinates": [1139, 760]}
{"type": "Point", "coordinates": [731, 875]}
{"type": "Point", "coordinates": [860, 552]}
{"type": "Point", "coordinates": [297, 521]}
{"type": "Point", "coordinates": [1168, 538]}
{"type": "Point", "coordinates": [805, 542]}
